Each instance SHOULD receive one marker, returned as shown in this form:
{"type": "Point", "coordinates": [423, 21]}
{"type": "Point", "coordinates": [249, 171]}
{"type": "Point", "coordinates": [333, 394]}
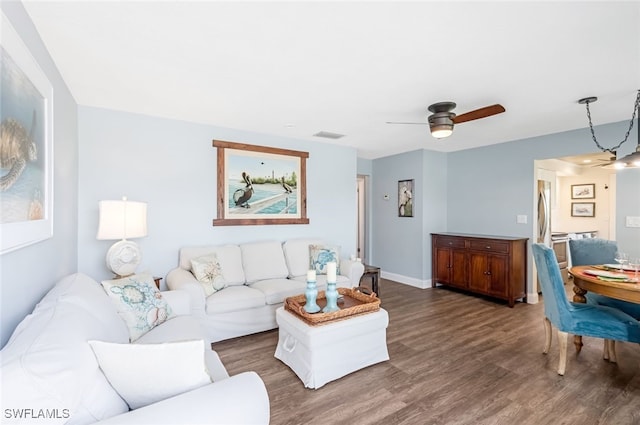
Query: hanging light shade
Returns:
{"type": "Point", "coordinates": [633, 159]}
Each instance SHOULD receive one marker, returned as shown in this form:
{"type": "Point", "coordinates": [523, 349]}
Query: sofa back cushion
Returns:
{"type": "Point", "coordinates": [263, 260]}
{"type": "Point", "coordinates": [296, 254]}
{"type": "Point", "coordinates": [229, 257]}
{"type": "Point", "coordinates": [48, 364]}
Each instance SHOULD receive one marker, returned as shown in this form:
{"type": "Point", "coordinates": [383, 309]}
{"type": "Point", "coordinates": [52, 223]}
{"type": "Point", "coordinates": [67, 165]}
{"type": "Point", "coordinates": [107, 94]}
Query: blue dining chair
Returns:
{"type": "Point", "coordinates": [576, 318]}
{"type": "Point", "coordinates": [600, 251]}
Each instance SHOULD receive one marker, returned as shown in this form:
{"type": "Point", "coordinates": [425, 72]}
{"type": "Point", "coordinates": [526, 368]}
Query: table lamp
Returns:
{"type": "Point", "coordinates": [122, 220]}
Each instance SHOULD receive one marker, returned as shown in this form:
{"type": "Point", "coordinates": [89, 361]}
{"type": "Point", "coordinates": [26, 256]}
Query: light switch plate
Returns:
{"type": "Point", "coordinates": [633, 221]}
{"type": "Point", "coordinates": [521, 219]}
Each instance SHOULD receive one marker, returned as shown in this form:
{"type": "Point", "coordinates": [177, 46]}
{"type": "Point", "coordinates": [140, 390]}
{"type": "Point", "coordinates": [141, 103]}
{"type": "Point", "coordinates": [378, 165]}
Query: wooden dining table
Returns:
{"type": "Point", "coordinates": [583, 283]}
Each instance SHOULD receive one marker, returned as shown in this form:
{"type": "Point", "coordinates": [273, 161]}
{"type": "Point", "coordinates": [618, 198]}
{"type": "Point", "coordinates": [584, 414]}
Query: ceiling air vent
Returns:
{"type": "Point", "coordinates": [328, 135]}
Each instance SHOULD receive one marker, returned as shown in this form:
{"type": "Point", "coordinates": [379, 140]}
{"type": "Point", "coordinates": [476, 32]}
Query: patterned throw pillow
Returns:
{"type": "Point", "coordinates": [208, 271]}
{"type": "Point", "coordinates": [320, 255]}
{"type": "Point", "coordinates": [139, 303]}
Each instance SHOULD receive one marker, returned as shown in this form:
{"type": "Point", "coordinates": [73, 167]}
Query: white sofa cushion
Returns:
{"type": "Point", "coordinates": [263, 260]}
{"type": "Point", "coordinates": [48, 367]}
{"type": "Point", "coordinates": [146, 373]}
{"type": "Point", "coordinates": [208, 271]}
{"type": "Point", "coordinates": [276, 290]}
{"type": "Point", "coordinates": [234, 298]}
{"type": "Point", "coordinates": [139, 303]}
{"type": "Point", "coordinates": [321, 281]}
{"type": "Point", "coordinates": [229, 257]}
{"type": "Point", "coordinates": [296, 254]}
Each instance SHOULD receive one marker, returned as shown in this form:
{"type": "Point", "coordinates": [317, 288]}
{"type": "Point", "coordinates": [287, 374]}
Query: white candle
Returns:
{"type": "Point", "coordinates": [331, 272]}
{"type": "Point", "coordinates": [311, 276]}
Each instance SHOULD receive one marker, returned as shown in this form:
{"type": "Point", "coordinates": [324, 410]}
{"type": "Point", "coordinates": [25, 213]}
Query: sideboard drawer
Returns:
{"type": "Point", "coordinates": [489, 246]}
{"type": "Point", "coordinates": [444, 242]}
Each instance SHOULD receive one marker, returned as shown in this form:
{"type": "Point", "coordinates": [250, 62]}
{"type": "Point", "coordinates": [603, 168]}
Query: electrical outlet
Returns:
{"type": "Point", "coordinates": [633, 221]}
{"type": "Point", "coordinates": [521, 219]}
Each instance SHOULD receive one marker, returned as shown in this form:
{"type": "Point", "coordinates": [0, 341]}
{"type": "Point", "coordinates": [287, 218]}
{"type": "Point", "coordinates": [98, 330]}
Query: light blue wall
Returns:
{"type": "Point", "coordinates": [171, 165]}
{"type": "Point", "coordinates": [28, 273]}
{"type": "Point", "coordinates": [401, 245]}
{"type": "Point", "coordinates": [628, 199]}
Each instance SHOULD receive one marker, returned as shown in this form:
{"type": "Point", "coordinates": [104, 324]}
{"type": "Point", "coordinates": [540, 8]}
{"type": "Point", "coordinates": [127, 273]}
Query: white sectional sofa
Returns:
{"type": "Point", "coordinates": [257, 278]}
{"type": "Point", "coordinates": [51, 375]}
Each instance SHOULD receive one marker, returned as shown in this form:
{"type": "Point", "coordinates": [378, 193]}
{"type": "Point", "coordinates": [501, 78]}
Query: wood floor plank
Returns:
{"type": "Point", "coordinates": [455, 359]}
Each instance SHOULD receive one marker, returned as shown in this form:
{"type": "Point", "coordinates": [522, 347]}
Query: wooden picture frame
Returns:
{"type": "Point", "coordinates": [583, 191]}
{"type": "Point", "coordinates": [260, 185]}
{"type": "Point", "coordinates": [583, 209]}
{"type": "Point", "coordinates": [26, 195]}
{"type": "Point", "coordinates": [405, 198]}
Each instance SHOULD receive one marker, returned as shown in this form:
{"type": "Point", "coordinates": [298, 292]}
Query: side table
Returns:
{"type": "Point", "coordinates": [373, 273]}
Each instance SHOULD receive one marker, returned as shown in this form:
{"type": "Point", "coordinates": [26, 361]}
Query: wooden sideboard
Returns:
{"type": "Point", "coordinates": [489, 265]}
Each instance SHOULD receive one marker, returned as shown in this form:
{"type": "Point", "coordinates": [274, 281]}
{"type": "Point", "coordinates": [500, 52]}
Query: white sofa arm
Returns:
{"type": "Point", "coordinates": [180, 279]}
{"type": "Point", "coordinates": [222, 402]}
{"type": "Point", "coordinates": [353, 270]}
{"type": "Point", "coordinates": [179, 301]}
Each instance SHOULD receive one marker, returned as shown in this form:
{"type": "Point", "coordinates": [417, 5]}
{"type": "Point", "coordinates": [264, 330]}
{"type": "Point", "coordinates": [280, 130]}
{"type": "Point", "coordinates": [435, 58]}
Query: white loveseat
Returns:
{"type": "Point", "coordinates": [51, 375]}
{"type": "Point", "coordinates": [258, 277]}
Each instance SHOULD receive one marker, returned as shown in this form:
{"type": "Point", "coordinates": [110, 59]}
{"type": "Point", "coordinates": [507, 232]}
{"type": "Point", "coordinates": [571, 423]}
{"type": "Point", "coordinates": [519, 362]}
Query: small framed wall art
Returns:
{"type": "Point", "coordinates": [583, 191]}
{"type": "Point", "coordinates": [405, 198]}
{"type": "Point", "coordinates": [583, 209]}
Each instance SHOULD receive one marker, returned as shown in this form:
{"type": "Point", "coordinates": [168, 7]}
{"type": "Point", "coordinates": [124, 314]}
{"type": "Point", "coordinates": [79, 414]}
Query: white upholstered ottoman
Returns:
{"type": "Point", "coordinates": [323, 353]}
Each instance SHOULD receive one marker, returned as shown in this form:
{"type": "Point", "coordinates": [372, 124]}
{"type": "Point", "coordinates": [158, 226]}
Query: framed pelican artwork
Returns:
{"type": "Point", "coordinates": [260, 185]}
{"type": "Point", "coordinates": [26, 145]}
{"type": "Point", "coordinates": [405, 198]}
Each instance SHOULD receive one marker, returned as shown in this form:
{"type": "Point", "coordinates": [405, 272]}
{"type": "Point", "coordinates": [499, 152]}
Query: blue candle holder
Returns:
{"type": "Point", "coordinates": [332, 298]}
{"type": "Point", "coordinates": [311, 293]}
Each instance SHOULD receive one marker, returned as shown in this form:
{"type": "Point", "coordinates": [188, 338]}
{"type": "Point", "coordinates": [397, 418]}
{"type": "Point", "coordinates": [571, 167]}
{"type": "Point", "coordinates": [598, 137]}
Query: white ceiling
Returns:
{"type": "Point", "coordinates": [296, 68]}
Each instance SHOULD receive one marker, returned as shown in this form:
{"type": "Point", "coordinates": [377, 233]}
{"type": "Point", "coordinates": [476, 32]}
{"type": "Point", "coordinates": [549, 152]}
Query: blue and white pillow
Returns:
{"type": "Point", "coordinates": [320, 255]}
{"type": "Point", "coordinates": [139, 303]}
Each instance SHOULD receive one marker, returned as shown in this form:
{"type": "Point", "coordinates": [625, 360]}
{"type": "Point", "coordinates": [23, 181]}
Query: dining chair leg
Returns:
{"type": "Point", "coordinates": [562, 340]}
{"type": "Point", "coordinates": [610, 350]}
{"type": "Point", "coordinates": [547, 335]}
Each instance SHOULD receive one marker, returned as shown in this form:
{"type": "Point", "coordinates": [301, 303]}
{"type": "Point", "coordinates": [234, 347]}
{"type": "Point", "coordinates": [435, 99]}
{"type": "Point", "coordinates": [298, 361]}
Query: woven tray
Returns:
{"type": "Point", "coordinates": [352, 303]}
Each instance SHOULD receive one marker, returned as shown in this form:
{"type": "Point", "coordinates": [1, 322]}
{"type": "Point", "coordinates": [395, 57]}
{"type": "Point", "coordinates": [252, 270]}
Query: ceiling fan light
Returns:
{"type": "Point", "coordinates": [441, 131]}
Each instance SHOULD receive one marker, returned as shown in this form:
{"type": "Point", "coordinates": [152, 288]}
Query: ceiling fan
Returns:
{"type": "Point", "coordinates": [442, 120]}
{"type": "Point", "coordinates": [606, 162]}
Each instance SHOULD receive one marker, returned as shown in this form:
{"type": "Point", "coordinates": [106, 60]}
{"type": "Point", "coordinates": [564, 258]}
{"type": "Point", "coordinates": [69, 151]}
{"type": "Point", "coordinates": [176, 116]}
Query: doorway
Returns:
{"type": "Point", "coordinates": [362, 244]}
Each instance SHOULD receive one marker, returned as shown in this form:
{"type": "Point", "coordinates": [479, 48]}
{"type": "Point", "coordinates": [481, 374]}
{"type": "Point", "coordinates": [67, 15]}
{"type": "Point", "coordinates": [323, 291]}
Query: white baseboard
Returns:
{"type": "Point", "coordinates": [411, 281]}
{"type": "Point", "coordinates": [533, 298]}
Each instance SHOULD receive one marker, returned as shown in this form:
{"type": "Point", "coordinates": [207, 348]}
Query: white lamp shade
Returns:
{"type": "Point", "coordinates": [122, 220]}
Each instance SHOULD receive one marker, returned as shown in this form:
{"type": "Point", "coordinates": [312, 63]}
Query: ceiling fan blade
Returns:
{"type": "Point", "coordinates": [416, 123]}
{"type": "Point", "coordinates": [487, 111]}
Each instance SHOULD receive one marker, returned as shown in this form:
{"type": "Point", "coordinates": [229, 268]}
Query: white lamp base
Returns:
{"type": "Point", "coordinates": [124, 257]}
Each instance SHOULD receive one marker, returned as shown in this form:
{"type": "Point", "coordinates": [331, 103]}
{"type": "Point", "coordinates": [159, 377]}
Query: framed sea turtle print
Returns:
{"type": "Point", "coordinates": [260, 185]}
{"type": "Point", "coordinates": [26, 145]}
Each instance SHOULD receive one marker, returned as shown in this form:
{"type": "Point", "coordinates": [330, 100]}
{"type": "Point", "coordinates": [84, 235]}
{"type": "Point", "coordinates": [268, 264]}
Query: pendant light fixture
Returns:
{"type": "Point", "coordinates": [633, 159]}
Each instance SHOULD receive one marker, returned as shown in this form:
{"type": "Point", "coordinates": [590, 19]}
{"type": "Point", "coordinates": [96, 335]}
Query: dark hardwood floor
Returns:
{"type": "Point", "coordinates": [455, 359]}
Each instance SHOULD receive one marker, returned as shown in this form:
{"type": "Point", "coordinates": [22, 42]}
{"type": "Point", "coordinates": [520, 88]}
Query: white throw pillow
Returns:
{"type": "Point", "coordinates": [139, 303]}
{"type": "Point", "coordinates": [208, 271]}
{"type": "Point", "coordinates": [147, 373]}
{"type": "Point", "coordinates": [320, 255]}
